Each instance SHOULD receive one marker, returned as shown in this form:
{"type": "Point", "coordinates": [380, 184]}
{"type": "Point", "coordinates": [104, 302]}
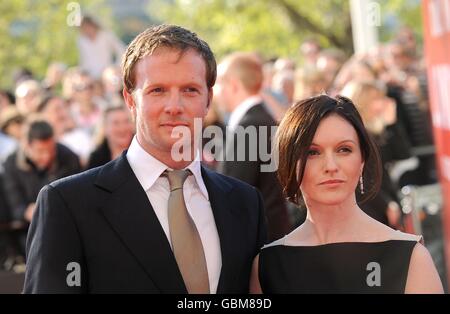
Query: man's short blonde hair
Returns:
{"type": "Point", "coordinates": [166, 36]}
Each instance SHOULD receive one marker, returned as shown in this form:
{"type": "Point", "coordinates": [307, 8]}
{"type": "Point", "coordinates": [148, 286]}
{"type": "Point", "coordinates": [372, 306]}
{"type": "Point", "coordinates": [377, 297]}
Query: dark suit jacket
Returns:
{"type": "Point", "coordinates": [278, 222]}
{"type": "Point", "coordinates": [103, 220]}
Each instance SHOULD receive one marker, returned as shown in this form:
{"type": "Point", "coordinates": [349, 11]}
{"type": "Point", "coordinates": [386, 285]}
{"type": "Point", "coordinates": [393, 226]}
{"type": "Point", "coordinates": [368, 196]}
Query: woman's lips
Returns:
{"type": "Point", "coordinates": [332, 182]}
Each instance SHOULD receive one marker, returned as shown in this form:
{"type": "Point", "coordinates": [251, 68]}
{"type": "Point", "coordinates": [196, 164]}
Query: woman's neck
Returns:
{"type": "Point", "coordinates": [332, 223]}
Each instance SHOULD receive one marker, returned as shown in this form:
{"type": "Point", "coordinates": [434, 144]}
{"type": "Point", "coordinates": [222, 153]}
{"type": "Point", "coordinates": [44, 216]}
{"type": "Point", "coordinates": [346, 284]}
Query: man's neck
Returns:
{"type": "Point", "coordinates": [166, 157]}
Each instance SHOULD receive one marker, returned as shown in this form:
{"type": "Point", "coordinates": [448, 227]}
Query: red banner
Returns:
{"type": "Point", "coordinates": [436, 16]}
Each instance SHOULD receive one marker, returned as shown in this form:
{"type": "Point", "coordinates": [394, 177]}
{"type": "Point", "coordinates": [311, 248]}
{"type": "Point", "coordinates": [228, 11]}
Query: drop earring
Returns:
{"type": "Point", "coordinates": [361, 184]}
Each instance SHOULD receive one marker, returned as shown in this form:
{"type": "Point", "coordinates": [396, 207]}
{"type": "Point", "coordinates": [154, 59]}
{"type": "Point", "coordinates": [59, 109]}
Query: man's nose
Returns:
{"type": "Point", "coordinates": [174, 104]}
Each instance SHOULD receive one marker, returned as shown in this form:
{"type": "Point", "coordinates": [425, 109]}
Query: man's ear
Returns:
{"type": "Point", "coordinates": [129, 100]}
{"type": "Point", "coordinates": [210, 97]}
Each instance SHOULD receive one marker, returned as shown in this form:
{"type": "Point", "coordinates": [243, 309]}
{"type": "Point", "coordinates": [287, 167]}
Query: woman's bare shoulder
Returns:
{"type": "Point", "coordinates": [398, 235]}
{"type": "Point", "coordinates": [384, 232]}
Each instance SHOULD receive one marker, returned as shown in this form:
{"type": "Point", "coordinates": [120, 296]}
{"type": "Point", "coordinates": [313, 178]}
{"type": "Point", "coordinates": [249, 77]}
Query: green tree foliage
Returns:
{"type": "Point", "coordinates": [271, 27]}
{"type": "Point", "coordinates": [407, 13]}
{"type": "Point", "coordinates": [277, 27]}
{"type": "Point", "coordinates": [34, 33]}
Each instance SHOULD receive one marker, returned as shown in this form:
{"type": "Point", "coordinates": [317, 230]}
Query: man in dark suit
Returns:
{"type": "Point", "coordinates": [249, 131]}
{"type": "Point", "coordinates": [135, 225]}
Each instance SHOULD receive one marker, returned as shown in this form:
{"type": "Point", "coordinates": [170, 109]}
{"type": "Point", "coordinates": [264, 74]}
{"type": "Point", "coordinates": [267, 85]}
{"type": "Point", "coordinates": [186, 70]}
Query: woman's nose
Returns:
{"type": "Point", "coordinates": [330, 163]}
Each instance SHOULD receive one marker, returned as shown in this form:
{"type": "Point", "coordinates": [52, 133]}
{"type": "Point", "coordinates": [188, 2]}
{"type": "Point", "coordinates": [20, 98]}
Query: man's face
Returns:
{"type": "Point", "coordinates": [41, 152]}
{"type": "Point", "coordinates": [56, 111]}
{"type": "Point", "coordinates": [89, 30]}
{"type": "Point", "coordinates": [27, 99]}
{"type": "Point", "coordinates": [83, 89]}
{"type": "Point", "coordinates": [170, 91]}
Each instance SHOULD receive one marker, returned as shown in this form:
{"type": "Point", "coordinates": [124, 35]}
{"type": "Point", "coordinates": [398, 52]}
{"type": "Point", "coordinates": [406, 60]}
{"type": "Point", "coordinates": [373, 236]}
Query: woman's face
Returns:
{"type": "Point", "coordinates": [376, 104]}
{"type": "Point", "coordinates": [119, 128]}
{"type": "Point", "coordinates": [378, 111]}
{"type": "Point", "coordinates": [334, 163]}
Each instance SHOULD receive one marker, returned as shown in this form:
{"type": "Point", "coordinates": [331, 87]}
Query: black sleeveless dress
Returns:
{"type": "Point", "coordinates": [349, 267]}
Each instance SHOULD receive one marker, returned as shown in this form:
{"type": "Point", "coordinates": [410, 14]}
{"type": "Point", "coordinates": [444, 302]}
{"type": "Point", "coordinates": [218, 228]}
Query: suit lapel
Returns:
{"type": "Point", "coordinates": [218, 191]}
{"type": "Point", "coordinates": [131, 215]}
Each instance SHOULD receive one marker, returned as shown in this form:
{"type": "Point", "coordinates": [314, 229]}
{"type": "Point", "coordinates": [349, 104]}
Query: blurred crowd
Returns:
{"type": "Point", "coordinates": [75, 118]}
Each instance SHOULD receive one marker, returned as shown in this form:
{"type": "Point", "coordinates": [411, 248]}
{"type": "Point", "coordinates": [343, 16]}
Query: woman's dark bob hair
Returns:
{"type": "Point", "coordinates": [295, 135]}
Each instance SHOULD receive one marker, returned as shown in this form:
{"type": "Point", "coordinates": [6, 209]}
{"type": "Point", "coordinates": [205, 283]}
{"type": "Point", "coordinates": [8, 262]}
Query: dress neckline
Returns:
{"type": "Point", "coordinates": [282, 242]}
{"type": "Point", "coordinates": [345, 243]}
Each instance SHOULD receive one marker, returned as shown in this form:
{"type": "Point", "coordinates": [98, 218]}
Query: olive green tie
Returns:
{"type": "Point", "coordinates": [186, 243]}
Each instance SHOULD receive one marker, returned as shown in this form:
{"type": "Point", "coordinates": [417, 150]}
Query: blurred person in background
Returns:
{"type": "Point", "coordinates": [22, 74]}
{"type": "Point", "coordinates": [329, 63]}
{"type": "Point", "coordinates": [7, 143]}
{"type": "Point", "coordinates": [283, 82]}
{"type": "Point", "coordinates": [54, 110]}
{"type": "Point", "coordinates": [85, 107]}
{"type": "Point", "coordinates": [68, 82]}
{"type": "Point", "coordinates": [284, 64]}
{"type": "Point", "coordinates": [38, 161]}
{"type": "Point", "coordinates": [97, 47]}
{"type": "Point", "coordinates": [113, 85]}
{"type": "Point", "coordinates": [6, 99]}
{"type": "Point", "coordinates": [379, 116]}
{"type": "Point", "coordinates": [11, 123]}
{"type": "Point", "coordinates": [309, 82]}
{"type": "Point", "coordinates": [275, 101]}
{"type": "Point", "coordinates": [309, 52]}
{"type": "Point", "coordinates": [240, 78]}
{"type": "Point", "coordinates": [29, 94]}
{"type": "Point", "coordinates": [214, 117]}
{"type": "Point", "coordinates": [116, 135]}
{"type": "Point", "coordinates": [54, 77]}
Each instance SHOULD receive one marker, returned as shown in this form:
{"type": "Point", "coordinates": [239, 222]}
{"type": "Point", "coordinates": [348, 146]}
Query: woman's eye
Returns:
{"type": "Point", "coordinates": [345, 150]}
{"type": "Point", "coordinates": [156, 90]}
{"type": "Point", "coordinates": [312, 152]}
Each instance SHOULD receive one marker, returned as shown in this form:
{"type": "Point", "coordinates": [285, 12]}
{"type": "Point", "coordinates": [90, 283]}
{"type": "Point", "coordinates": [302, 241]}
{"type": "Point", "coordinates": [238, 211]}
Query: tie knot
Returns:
{"type": "Point", "coordinates": [177, 178]}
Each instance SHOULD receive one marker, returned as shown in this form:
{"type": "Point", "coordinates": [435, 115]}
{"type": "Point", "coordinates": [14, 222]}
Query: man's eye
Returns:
{"type": "Point", "coordinates": [191, 90]}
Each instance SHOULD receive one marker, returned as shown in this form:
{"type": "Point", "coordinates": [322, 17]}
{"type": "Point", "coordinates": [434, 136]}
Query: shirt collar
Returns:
{"type": "Point", "coordinates": [148, 169]}
{"type": "Point", "coordinates": [240, 111]}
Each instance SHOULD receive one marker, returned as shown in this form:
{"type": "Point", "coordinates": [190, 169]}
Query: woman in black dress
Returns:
{"type": "Point", "coordinates": [325, 157]}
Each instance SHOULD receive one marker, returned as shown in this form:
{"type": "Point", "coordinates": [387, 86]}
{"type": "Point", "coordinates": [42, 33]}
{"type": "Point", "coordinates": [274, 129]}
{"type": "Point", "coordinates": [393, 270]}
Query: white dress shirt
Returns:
{"type": "Point", "coordinates": [240, 111]}
{"type": "Point", "coordinates": [97, 54]}
{"type": "Point", "coordinates": [148, 171]}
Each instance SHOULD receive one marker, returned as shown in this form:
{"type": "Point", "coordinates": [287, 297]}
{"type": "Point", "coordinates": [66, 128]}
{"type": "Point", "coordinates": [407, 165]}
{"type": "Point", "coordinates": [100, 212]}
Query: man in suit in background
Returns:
{"type": "Point", "coordinates": [240, 78]}
{"type": "Point", "coordinates": [148, 222]}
